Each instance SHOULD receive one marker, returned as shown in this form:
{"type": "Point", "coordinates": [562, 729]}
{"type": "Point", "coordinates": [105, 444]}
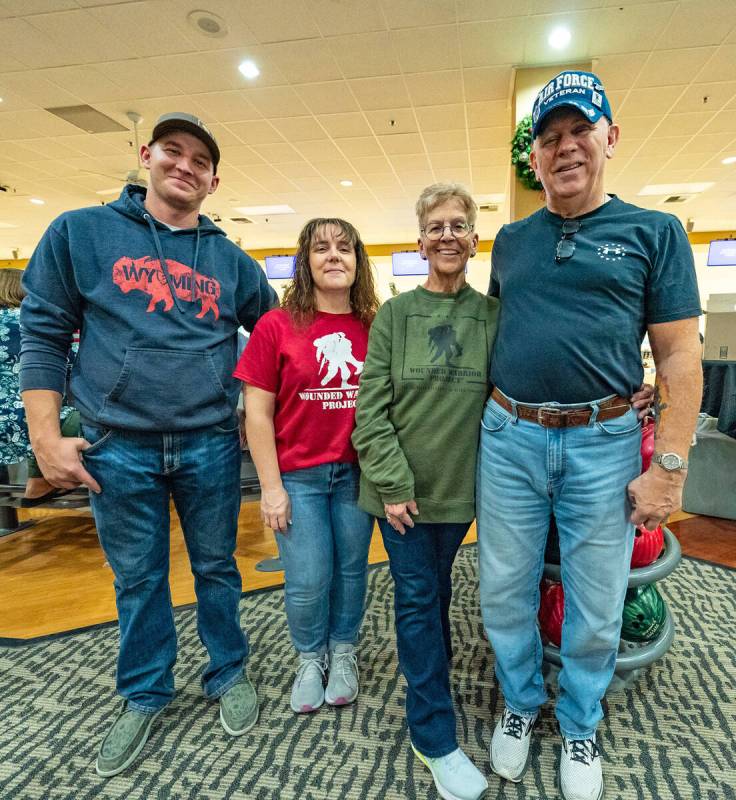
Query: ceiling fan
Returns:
{"type": "Point", "coordinates": [137, 175]}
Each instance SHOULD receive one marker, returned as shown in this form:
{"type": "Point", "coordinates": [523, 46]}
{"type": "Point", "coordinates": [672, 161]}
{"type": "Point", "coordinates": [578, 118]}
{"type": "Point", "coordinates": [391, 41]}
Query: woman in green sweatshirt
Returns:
{"type": "Point", "coordinates": [421, 397]}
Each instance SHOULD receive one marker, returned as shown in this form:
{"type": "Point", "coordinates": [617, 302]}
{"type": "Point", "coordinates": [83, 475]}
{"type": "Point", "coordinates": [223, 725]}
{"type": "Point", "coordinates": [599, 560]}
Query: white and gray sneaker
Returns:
{"type": "Point", "coordinates": [308, 690]}
{"type": "Point", "coordinates": [455, 776]}
{"type": "Point", "coordinates": [342, 685]}
{"type": "Point", "coordinates": [510, 745]}
{"type": "Point", "coordinates": [581, 775]}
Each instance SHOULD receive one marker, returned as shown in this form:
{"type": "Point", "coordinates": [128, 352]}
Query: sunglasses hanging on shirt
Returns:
{"type": "Point", "coordinates": [566, 245]}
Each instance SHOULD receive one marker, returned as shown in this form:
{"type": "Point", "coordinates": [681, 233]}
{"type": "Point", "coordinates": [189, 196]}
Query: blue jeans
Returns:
{"type": "Point", "coordinates": [139, 473]}
{"type": "Point", "coordinates": [325, 556]}
{"type": "Point", "coordinates": [525, 473]}
{"type": "Point", "coordinates": [421, 566]}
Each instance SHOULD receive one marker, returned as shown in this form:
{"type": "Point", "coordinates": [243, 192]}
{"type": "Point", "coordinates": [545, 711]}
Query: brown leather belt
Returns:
{"type": "Point", "coordinates": [553, 417]}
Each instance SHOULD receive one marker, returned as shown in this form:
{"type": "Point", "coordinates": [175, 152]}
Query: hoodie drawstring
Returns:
{"type": "Point", "coordinates": [164, 265]}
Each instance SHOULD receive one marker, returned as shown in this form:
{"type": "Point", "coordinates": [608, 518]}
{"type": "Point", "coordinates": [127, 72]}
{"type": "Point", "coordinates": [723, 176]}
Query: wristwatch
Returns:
{"type": "Point", "coordinates": [670, 461]}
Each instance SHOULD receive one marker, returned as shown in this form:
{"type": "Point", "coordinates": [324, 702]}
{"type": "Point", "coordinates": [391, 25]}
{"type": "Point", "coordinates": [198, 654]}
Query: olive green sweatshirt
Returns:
{"type": "Point", "coordinates": [420, 402]}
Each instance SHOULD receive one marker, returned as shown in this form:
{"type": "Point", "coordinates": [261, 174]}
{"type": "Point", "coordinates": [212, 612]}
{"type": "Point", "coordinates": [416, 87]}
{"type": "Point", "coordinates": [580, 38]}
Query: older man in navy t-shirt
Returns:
{"type": "Point", "coordinates": [580, 281]}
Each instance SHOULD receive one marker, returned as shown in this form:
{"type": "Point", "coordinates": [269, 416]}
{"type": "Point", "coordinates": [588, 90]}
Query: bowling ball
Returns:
{"type": "Point", "coordinates": [644, 614]}
{"type": "Point", "coordinates": [551, 611]}
{"type": "Point", "coordinates": [647, 444]}
{"type": "Point", "coordinates": [647, 546]}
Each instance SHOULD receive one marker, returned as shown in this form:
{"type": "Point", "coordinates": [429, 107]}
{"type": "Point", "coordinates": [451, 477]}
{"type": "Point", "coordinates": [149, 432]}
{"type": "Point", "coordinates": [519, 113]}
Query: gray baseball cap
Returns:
{"type": "Point", "coordinates": [181, 121]}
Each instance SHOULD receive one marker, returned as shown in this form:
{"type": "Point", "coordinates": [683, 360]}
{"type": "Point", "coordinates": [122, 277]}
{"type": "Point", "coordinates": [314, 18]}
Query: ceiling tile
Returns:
{"type": "Point", "coordinates": [344, 125]}
{"type": "Point", "coordinates": [360, 146]}
{"type": "Point", "coordinates": [691, 25]}
{"type": "Point", "coordinates": [629, 28]}
{"type": "Point", "coordinates": [640, 102]}
{"type": "Point", "coordinates": [721, 66]}
{"type": "Point", "coordinates": [705, 97]}
{"type": "Point", "coordinates": [685, 124]}
{"type": "Point", "coordinates": [409, 163]}
{"type": "Point", "coordinates": [484, 44]}
{"type": "Point", "coordinates": [487, 83]}
{"type": "Point", "coordinates": [441, 117]}
{"type": "Point", "coordinates": [670, 66]}
{"type": "Point", "coordinates": [304, 61]}
{"type": "Point", "coordinates": [402, 143]}
{"type": "Point", "coordinates": [418, 13]}
{"type": "Point", "coordinates": [488, 113]}
{"type": "Point", "coordinates": [454, 159]}
{"type": "Point", "coordinates": [299, 129]}
{"type": "Point", "coordinates": [319, 151]}
{"type": "Point", "coordinates": [277, 153]}
{"type": "Point", "coordinates": [383, 92]}
{"type": "Point", "coordinates": [365, 54]}
{"type": "Point", "coordinates": [662, 147]}
{"type": "Point", "coordinates": [725, 122]}
{"type": "Point", "coordinates": [499, 136]}
{"type": "Point", "coordinates": [281, 20]}
{"type": "Point", "coordinates": [347, 16]}
{"type": "Point", "coordinates": [28, 45]}
{"type": "Point", "coordinates": [255, 132]}
{"type": "Point", "coordinates": [445, 141]}
{"type": "Point", "coordinates": [372, 165]}
{"type": "Point", "coordinates": [431, 88]}
{"type": "Point", "coordinates": [620, 71]}
{"type": "Point", "coordinates": [136, 78]}
{"type": "Point", "coordinates": [230, 106]}
{"type": "Point", "coordinates": [433, 49]}
{"type": "Point", "coordinates": [468, 10]}
{"type": "Point", "coordinates": [392, 121]}
{"type": "Point", "coordinates": [242, 155]}
{"type": "Point", "coordinates": [277, 101]}
{"type": "Point", "coordinates": [332, 97]}
{"type": "Point", "coordinates": [79, 33]}
{"type": "Point", "coordinates": [708, 143]}
{"type": "Point", "coordinates": [638, 127]}
{"type": "Point", "coordinates": [490, 157]}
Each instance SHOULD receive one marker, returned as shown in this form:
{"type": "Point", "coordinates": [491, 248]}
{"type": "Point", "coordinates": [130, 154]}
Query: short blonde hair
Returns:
{"type": "Point", "coordinates": [11, 291]}
{"type": "Point", "coordinates": [439, 193]}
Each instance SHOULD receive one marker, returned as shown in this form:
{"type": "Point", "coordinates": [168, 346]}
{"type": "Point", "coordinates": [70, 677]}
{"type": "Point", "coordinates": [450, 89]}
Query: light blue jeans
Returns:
{"type": "Point", "coordinates": [325, 556]}
{"type": "Point", "coordinates": [139, 474]}
{"type": "Point", "coordinates": [526, 472]}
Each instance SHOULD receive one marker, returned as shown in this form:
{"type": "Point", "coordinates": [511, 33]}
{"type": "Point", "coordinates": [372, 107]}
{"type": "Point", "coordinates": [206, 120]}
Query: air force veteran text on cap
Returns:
{"type": "Point", "coordinates": [580, 90]}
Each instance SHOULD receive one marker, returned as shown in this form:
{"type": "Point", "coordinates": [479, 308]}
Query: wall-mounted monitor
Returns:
{"type": "Point", "coordinates": [280, 267]}
{"type": "Point", "coordinates": [408, 262]}
{"type": "Point", "coordinates": [722, 253]}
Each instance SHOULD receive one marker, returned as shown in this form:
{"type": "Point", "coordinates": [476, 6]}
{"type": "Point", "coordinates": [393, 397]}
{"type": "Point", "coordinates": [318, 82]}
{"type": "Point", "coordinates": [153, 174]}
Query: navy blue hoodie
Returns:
{"type": "Point", "coordinates": [157, 344]}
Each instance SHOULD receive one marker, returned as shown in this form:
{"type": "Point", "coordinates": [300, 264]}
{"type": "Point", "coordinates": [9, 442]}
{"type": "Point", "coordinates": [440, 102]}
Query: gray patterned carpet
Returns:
{"type": "Point", "coordinates": [671, 737]}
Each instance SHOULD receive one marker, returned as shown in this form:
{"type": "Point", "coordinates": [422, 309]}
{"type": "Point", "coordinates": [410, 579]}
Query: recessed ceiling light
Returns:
{"type": "Point", "coordinates": [255, 211]}
{"type": "Point", "coordinates": [674, 188]}
{"type": "Point", "coordinates": [248, 69]}
{"type": "Point", "coordinates": [559, 38]}
{"type": "Point", "coordinates": [729, 160]}
{"type": "Point", "coordinates": [346, 183]}
{"type": "Point", "coordinates": [37, 201]}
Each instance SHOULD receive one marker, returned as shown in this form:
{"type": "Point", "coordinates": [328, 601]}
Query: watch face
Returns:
{"type": "Point", "coordinates": [670, 461]}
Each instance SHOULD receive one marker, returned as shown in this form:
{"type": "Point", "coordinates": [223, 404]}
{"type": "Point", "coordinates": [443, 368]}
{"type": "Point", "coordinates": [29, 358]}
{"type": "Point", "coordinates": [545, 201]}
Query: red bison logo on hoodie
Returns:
{"type": "Point", "coordinates": [146, 275]}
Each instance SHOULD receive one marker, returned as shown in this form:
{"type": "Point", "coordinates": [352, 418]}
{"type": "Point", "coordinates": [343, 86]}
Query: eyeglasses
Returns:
{"type": "Point", "coordinates": [566, 246]}
{"type": "Point", "coordinates": [436, 230]}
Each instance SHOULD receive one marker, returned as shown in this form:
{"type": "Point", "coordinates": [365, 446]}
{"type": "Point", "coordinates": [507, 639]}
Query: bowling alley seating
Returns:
{"type": "Point", "coordinates": [709, 487]}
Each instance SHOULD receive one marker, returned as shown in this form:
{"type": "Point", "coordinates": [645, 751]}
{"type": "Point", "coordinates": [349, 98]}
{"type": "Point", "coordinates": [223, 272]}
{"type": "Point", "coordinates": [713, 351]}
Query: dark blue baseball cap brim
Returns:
{"type": "Point", "coordinates": [589, 112]}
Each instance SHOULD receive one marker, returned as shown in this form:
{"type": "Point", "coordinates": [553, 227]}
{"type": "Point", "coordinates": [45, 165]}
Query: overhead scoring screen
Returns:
{"type": "Point", "coordinates": [722, 253]}
{"type": "Point", "coordinates": [408, 262]}
{"type": "Point", "coordinates": [280, 267]}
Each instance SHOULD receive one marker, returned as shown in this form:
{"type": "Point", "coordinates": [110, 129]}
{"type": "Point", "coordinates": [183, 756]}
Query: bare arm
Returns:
{"type": "Point", "coordinates": [677, 397]}
{"type": "Point", "coordinates": [58, 457]}
{"type": "Point", "coordinates": [259, 411]}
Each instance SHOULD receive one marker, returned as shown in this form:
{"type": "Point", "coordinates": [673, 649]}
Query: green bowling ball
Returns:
{"type": "Point", "coordinates": [644, 614]}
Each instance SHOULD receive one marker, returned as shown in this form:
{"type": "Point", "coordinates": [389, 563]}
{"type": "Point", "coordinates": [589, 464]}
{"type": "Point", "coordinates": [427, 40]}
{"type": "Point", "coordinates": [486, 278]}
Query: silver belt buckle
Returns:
{"type": "Point", "coordinates": [549, 410]}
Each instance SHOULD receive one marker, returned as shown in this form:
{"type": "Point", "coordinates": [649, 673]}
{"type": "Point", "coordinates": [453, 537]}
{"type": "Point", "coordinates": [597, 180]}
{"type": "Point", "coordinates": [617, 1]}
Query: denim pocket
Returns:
{"type": "Point", "coordinates": [494, 417]}
{"type": "Point", "coordinates": [97, 437]}
{"type": "Point", "coordinates": [227, 426]}
{"type": "Point", "coordinates": [619, 426]}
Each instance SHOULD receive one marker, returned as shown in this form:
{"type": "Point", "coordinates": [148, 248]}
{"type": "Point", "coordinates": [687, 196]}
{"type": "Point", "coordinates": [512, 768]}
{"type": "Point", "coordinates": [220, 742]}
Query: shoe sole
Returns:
{"type": "Point", "coordinates": [443, 793]}
{"type": "Point", "coordinates": [305, 709]}
{"type": "Point", "coordinates": [242, 731]}
{"type": "Point", "coordinates": [341, 701]}
{"type": "Point", "coordinates": [517, 778]}
{"type": "Point", "coordinates": [110, 773]}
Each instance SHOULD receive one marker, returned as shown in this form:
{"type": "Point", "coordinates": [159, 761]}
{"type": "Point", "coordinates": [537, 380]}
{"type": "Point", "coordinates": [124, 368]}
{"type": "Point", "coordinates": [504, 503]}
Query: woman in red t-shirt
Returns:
{"type": "Point", "coordinates": [301, 368]}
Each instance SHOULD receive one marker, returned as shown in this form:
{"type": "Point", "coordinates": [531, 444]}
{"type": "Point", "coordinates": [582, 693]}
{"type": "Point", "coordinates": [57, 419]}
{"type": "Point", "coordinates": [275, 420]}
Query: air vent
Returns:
{"type": "Point", "coordinates": [87, 118]}
{"type": "Point", "coordinates": [677, 198]}
{"type": "Point", "coordinates": [242, 220]}
{"type": "Point", "coordinates": [208, 24]}
{"type": "Point", "coordinates": [490, 207]}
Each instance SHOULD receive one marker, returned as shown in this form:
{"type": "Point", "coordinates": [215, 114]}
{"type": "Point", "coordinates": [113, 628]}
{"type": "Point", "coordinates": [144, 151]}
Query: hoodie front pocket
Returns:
{"type": "Point", "coordinates": [162, 389]}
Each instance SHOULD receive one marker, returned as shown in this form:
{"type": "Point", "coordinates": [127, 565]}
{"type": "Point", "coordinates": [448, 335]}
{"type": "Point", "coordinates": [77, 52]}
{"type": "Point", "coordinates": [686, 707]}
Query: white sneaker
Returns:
{"type": "Point", "coordinates": [581, 775]}
{"type": "Point", "coordinates": [510, 745]}
{"type": "Point", "coordinates": [308, 691]}
{"type": "Point", "coordinates": [342, 685]}
{"type": "Point", "coordinates": [455, 775]}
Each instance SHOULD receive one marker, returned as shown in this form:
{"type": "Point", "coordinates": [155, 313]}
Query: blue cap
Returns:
{"type": "Point", "coordinates": [580, 90]}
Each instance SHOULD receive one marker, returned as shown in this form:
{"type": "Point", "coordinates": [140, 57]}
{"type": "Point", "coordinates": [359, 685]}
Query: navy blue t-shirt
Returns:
{"type": "Point", "coordinates": [571, 331]}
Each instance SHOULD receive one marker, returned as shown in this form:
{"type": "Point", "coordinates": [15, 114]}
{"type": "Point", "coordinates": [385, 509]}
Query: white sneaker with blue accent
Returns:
{"type": "Point", "coordinates": [581, 774]}
{"type": "Point", "coordinates": [455, 775]}
{"type": "Point", "coordinates": [510, 745]}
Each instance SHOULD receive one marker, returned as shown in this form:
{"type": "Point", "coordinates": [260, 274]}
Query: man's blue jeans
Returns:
{"type": "Point", "coordinates": [421, 566]}
{"type": "Point", "coordinates": [139, 473]}
{"type": "Point", "coordinates": [325, 556]}
{"type": "Point", "coordinates": [525, 473]}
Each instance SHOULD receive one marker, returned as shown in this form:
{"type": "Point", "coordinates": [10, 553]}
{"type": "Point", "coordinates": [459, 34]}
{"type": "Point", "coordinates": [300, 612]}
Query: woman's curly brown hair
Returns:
{"type": "Point", "coordinates": [299, 297]}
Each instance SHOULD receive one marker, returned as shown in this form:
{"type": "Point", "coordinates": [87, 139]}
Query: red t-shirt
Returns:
{"type": "Point", "coordinates": [314, 373]}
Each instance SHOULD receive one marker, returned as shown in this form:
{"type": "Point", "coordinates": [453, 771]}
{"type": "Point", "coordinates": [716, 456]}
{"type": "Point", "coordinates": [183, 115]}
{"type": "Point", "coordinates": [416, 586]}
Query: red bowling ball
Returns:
{"type": "Point", "coordinates": [647, 444]}
{"type": "Point", "coordinates": [551, 611]}
{"type": "Point", "coordinates": [647, 546]}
